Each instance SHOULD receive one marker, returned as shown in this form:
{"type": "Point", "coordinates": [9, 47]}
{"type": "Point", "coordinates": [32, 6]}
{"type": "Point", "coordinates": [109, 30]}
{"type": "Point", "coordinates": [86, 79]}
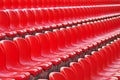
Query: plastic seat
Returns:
{"type": "Point", "coordinates": [86, 68]}
{"type": "Point", "coordinates": [114, 58]}
{"type": "Point", "coordinates": [98, 70]}
{"type": "Point", "coordinates": [55, 47]}
{"type": "Point", "coordinates": [106, 70]}
{"type": "Point", "coordinates": [100, 74]}
{"type": "Point", "coordinates": [15, 63]}
{"type": "Point", "coordinates": [17, 23]}
{"type": "Point", "coordinates": [5, 72]}
{"type": "Point", "coordinates": [27, 22]}
{"type": "Point", "coordinates": [45, 48]}
{"type": "Point", "coordinates": [98, 65]}
{"type": "Point", "coordinates": [52, 16]}
{"type": "Point", "coordinates": [36, 51]}
{"type": "Point", "coordinates": [14, 23]}
{"type": "Point", "coordinates": [78, 70]}
{"type": "Point", "coordinates": [23, 44]}
{"type": "Point", "coordinates": [4, 21]}
{"type": "Point", "coordinates": [14, 19]}
{"type": "Point", "coordinates": [45, 17]}
{"type": "Point", "coordinates": [23, 18]}
{"type": "Point", "coordinates": [38, 16]}
{"type": "Point", "coordinates": [4, 24]}
{"type": "Point", "coordinates": [30, 17]}
{"type": "Point", "coordinates": [73, 32]}
{"type": "Point", "coordinates": [64, 44]}
{"type": "Point", "coordinates": [57, 19]}
{"type": "Point", "coordinates": [68, 73]}
{"type": "Point", "coordinates": [56, 76]}
{"type": "Point", "coordinates": [31, 21]}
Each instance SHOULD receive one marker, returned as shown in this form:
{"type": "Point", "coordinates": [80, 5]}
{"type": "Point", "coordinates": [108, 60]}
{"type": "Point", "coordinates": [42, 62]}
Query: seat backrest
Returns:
{"type": "Point", "coordinates": [2, 59]}
{"type": "Point", "coordinates": [108, 50]}
{"type": "Point", "coordinates": [34, 45]}
{"type": "Point", "coordinates": [44, 42]}
{"type": "Point", "coordinates": [67, 37]}
{"type": "Point", "coordinates": [50, 15]}
{"type": "Point", "coordinates": [98, 56]}
{"type": "Point", "coordinates": [59, 17]}
{"type": "Point", "coordinates": [14, 19]}
{"type": "Point", "coordinates": [61, 39]}
{"type": "Point", "coordinates": [44, 16]}
{"type": "Point", "coordinates": [53, 40]}
{"type": "Point", "coordinates": [78, 70]}
{"type": "Point", "coordinates": [114, 49]}
{"type": "Point", "coordinates": [56, 76]}
{"type": "Point", "coordinates": [4, 21]}
{"type": "Point", "coordinates": [73, 33]}
{"type": "Point", "coordinates": [107, 53]}
{"type": "Point", "coordinates": [93, 64]}
{"type": "Point", "coordinates": [11, 51]}
{"type": "Point", "coordinates": [82, 32]}
{"type": "Point", "coordinates": [62, 15]}
{"type": "Point", "coordinates": [30, 17]}
{"type": "Point", "coordinates": [22, 18]}
{"type": "Point", "coordinates": [86, 68]}
{"type": "Point", "coordinates": [68, 73]}
{"type": "Point", "coordinates": [24, 49]}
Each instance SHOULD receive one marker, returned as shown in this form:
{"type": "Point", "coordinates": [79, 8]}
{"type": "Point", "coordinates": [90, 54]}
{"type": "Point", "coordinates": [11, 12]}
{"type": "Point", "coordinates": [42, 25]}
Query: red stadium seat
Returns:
{"type": "Point", "coordinates": [56, 76]}
{"type": "Point", "coordinates": [78, 70]}
{"type": "Point", "coordinates": [6, 72]}
{"type": "Point", "coordinates": [23, 54]}
{"type": "Point", "coordinates": [4, 21]}
{"type": "Point", "coordinates": [68, 73]}
{"type": "Point", "coordinates": [59, 40]}
{"type": "Point", "coordinates": [13, 60]}
{"type": "Point", "coordinates": [36, 51]}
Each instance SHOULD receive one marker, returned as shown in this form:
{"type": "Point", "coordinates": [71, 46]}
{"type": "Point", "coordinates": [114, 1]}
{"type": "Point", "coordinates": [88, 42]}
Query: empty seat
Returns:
{"type": "Point", "coordinates": [56, 76]}
{"type": "Point", "coordinates": [78, 70]}
{"type": "Point", "coordinates": [59, 40]}
{"type": "Point", "coordinates": [68, 73]}
{"type": "Point", "coordinates": [6, 72]}
{"type": "Point", "coordinates": [14, 63]}
{"type": "Point", "coordinates": [36, 51]}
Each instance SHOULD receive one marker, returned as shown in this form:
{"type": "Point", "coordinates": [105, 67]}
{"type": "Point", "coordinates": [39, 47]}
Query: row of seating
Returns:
{"type": "Point", "coordinates": [100, 65]}
{"type": "Point", "coordinates": [7, 43]}
{"type": "Point", "coordinates": [15, 4]}
{"type": "Point", "coordinates": [59, 39]}
{"type": "Point", "coordinates": [27, 56]}
{"type": "Point", "coordinates": [28, 20]}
